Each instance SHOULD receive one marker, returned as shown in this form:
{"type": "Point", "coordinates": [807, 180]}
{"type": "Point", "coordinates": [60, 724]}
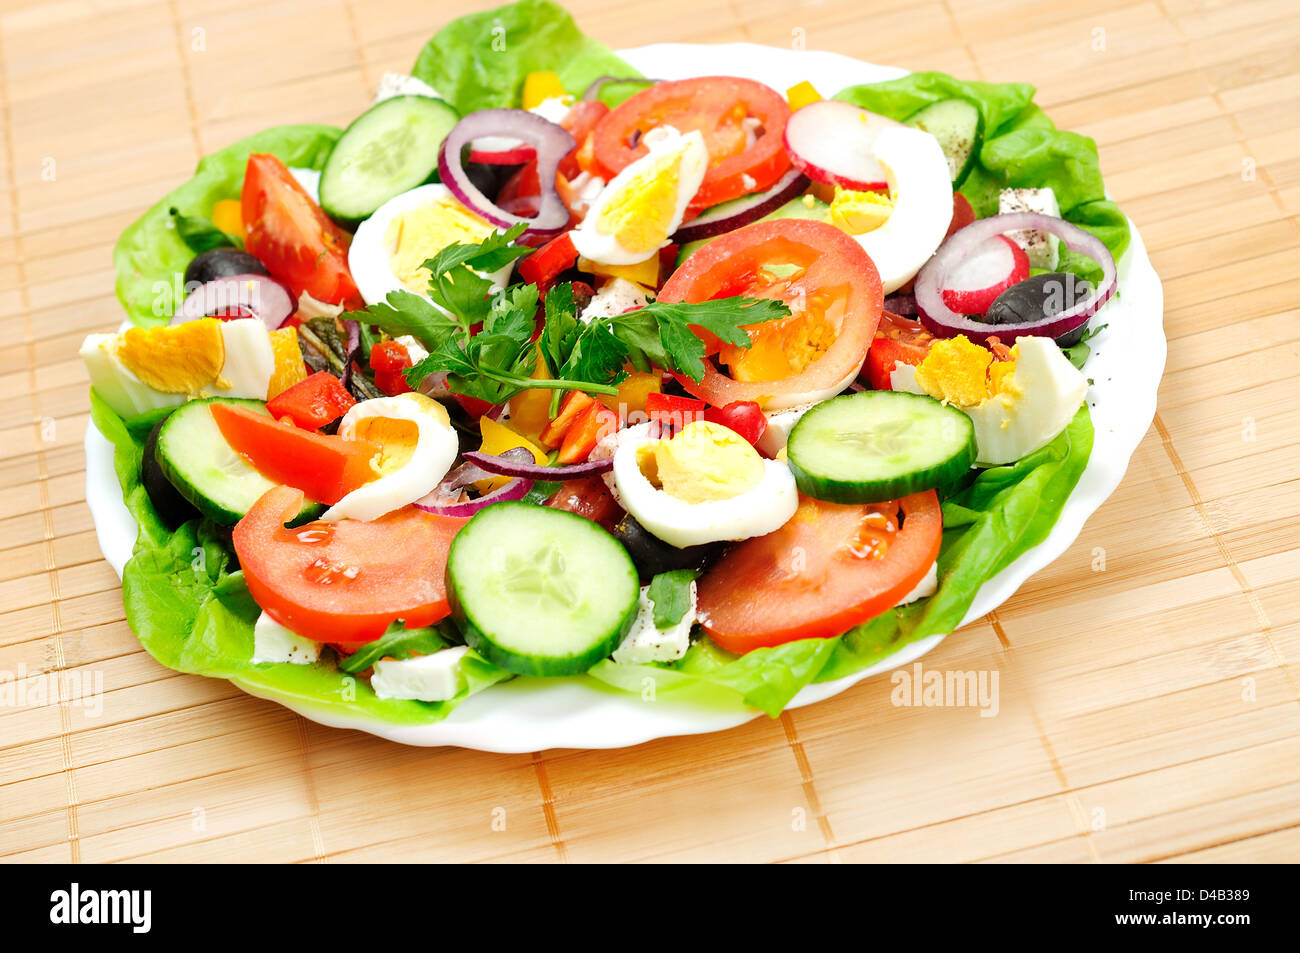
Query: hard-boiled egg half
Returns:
{"type": "Point", "coordinates": [920, 187]}
{"type": "Point", "coordinates": [417, 447]}
{"type": "Point", "coordinates": [634, 215]}
{"type": "Point", "coordinates": [390, 247]}
{"type": "Point", "coordinates": [147, 368]}
{"type": "Point", "coordinates": [702, 485]}
{"type": "Point", "coordinates": [1017, 405]}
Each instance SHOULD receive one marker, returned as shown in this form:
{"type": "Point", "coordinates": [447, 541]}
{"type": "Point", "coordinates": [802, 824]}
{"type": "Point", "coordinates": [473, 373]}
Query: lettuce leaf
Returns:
{"type": "Point", "coordinates": [150, 256]}
{"type": "Point", "coordinates": [189, 606]}
{"type": "Point", "coordinates": [1021, 149]}
{"type": "Point", "coordinates": [1005, 512]}
{"type": "Point", "coordinates": [480, 61]}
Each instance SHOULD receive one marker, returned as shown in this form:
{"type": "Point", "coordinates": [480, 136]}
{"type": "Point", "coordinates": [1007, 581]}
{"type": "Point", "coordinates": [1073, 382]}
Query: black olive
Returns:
{"type": "Point", "coordinates": [171, 506]}
{"type": "Point", "coordinates": [221, 263]}
{"type": "Point", "coordinates": [652, 555]}
{"type": "Point", "coordinates": [1036, 298]}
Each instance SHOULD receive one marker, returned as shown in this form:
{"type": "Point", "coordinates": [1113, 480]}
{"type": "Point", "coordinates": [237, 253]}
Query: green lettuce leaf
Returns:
{"type": "Point", "coordinates": [150, 256]}
{"type": "Point", "coordinates": [480, 61]}
{"type": "Point", "coordinates": [1005, 512]}
{"type": "Point", "coordinates": [189, 606]}
{"type": "Point", "coordinates": [1021, 149]}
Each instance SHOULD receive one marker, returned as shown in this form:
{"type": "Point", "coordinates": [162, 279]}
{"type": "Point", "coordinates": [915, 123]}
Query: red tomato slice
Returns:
{"type": "Point", "coordinates": [831, 567]}
{"type": "Point", "coordinates": [299, 244]}
{"type": "Point", "coordinates": [897, 339]}
{"type": "Point", "coordinates": [345, 581]}
{"type": "Point", "coordinates": [836, 281]}
{"type": "Point", "coordinates": [588, 497]}
{"type": "Point", "coordinates": [718, 107]}
{"type": "Point", "coordinates": [323, 466]}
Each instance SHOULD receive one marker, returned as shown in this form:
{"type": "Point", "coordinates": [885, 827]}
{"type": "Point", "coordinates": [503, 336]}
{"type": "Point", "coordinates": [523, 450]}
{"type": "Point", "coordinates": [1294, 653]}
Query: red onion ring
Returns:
{"type": "Point", "coordinates": [353, 351]}
{"type": "Point", "coordinates": [748, 208]}
{"type": "Point", "coordinates": [537, 471]}
{"type": "Point", "coordinates": [255, 295]}
{"type": "Point", "coordinates": [514, 490]}
{"type": "Point", "coordinates": [551, 142]}
{"type": "Point", "coordinates": [943, 322]}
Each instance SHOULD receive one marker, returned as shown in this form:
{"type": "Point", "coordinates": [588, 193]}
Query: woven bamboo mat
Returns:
{"type": "Point", "coordinates": [1149, 705]}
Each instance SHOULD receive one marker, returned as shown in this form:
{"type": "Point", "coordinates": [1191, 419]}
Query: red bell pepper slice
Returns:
{"type": "Point", "coordinates": [313, 402]}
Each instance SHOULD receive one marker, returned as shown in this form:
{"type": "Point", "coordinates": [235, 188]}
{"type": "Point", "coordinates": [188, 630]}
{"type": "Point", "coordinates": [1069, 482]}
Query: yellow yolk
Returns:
{"type": "Point", "coordinates": [175, 359]}
{"type": "Point", "coordinates": [641, 215]}
{"type": "Point", "coordinates": [960, 372]}
{"type": "Point", "coordinates": [395, 437]}
{"type": "Point", "coordinates": [859, 212]}
{"type": "Point", "coordinates": [289, 368]}
{"type": "Point", "coordinates": [705, 461]}
{"type": "Point", "coordinates": [422, 232]}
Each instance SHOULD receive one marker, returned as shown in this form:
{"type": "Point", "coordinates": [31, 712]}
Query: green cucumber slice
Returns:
{"type": "Point", "coordinates": [879, 445]}
{"type": "Point", "coordinates": [958, 126]}
{"type": "Point", "coordinates": [389, 149]}
{"type": "Point", "coordinates": [540, 591]}
{"type": "Point", "coordinates": [195, 458]}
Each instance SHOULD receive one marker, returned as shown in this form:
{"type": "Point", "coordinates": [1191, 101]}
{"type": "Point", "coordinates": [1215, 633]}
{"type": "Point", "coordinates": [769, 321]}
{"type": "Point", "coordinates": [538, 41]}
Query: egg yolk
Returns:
{"type": "Point", "coordinates": [786, 346]}
{"type": "Point", "coordinates": [859, 212]}
{"type": "Point", "coordinates": [175, 359]}
{"type": "Point", "coordinates": [640, 216]}
{"type": "Point", "coordinates": [958, 371]}
{"type": "Point", "coordinates": [421, 233]}
{"type": "Point", "coordinates": [704, 462]}
{"type": "Point", "coordinates": [396, 437]}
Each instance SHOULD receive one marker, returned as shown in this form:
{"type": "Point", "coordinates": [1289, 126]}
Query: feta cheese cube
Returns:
{"type": "Point", "coordinates": [392, 85]}
{"type": "Point", "coordinates": [779, 425]}
{"type": "Point", "coordinates": [926, 587]}
{"type": "Point", "coordinates": [272, 642]}
{"type": "Point", "coordinates": [614, 297]}
{"type": "Point", "coordinates": [1044, 250]}
{"type": "Point", "coordinates": [425, 678]}
{"type": "Point", "coordinates": [646, 643]}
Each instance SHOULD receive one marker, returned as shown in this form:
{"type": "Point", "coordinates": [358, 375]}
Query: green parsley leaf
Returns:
{"type": "Point", "coordinates": [397, 642]}
{"type": "Point", "coordinates": [405, 312]}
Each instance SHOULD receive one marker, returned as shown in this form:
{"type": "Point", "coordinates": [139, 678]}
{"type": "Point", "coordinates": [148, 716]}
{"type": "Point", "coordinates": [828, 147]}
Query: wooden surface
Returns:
{"type": "Point", "coordinates": [1148, 679]}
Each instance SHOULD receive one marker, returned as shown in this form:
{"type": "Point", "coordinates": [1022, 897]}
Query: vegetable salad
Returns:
{"type": "Point", "coordinates": [551, 370]}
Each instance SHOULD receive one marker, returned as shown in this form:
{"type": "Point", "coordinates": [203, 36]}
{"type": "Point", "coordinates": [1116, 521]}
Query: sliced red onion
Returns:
{"type": "Point", "coordinates": [974, 284]}
{"type": "Point", "coordinates": [834, 142]}
{"type": "Point", "coordinates": [942, 321]}
{"type": "Point", "coordinates": [748, 208]}
{"type": "Point", "coordinates": [353, 351]}
{"type": "Point", "coordinates": [514, 490]}
{"type": "Point", "coordinates": [551, 142]}
{"type": "Point", "coordinates": [245, 295]}
{"type": "Point", "coordinates": [901, 304]}
{"type": "Point", "coordinates": [537, 471]}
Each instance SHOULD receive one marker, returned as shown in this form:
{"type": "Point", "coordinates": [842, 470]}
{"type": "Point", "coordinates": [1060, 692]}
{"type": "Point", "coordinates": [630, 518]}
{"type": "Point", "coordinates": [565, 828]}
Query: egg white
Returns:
{"type": "Point", "coordinates": [369, 259]}
{"type": "Point", "coordinates": [606, 249]}
{"type": "Point", "coordinates": [760, 510]}
{"type": "Point", "coordinates": [435, 451]}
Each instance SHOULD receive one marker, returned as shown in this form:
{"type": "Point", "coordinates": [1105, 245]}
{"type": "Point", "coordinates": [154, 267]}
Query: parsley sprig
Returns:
{"type": "Point", "coordinates": [482, 338]}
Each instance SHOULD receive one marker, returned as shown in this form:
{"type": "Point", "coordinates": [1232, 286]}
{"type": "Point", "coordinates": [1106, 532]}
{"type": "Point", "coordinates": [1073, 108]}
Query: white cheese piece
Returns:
{"type": "Point", "coordinates": [553, 109]}
{"type": "Point", "coordinates": [614, 297]}
{"type": "Point", "coordinates": [779, 425]}
{"type": "Point", "coordinates": [414, 349]}
{"type": "Point", "coordinates": [646, 643]}
{"type": "Point", "coordinates": [400, 84]}
{"type": "Point", "coordinates": [1043, 249]}
{"type": "Point", "coordinates": [272, 642]}
{"type": "Point", "coordinates": [926, 587]}
{"type": "Point", "coordinates": [425, 678]}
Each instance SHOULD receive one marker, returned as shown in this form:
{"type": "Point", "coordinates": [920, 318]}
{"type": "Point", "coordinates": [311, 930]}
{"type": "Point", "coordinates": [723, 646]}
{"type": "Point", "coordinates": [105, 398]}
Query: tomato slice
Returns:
{"type": "Point", "coordinates": [588, 497]}
{"type": "Point", "coordinates": [831, 567]}
{"type": "Point", "coordinates": [835, 284]}
{"type": "Point", "coordinates": [726, 110]}
{"type": "Point", "coordinates": [897, 339]}
{"type": "Point", "coordinates": [345, 581]}
{"type": "Point", "coordinates": [290, 234]}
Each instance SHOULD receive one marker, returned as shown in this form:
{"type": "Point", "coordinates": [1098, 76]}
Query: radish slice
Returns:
{"type": "Point", "coordinates": [976, 283]}
{"type": "Point", "coordinates": [499, 150]}
{"type": "Point", "coordinates": [833, 142]}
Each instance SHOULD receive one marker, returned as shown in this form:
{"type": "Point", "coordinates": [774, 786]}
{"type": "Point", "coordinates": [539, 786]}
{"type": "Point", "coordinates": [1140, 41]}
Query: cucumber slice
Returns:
{"type": "Point", "coordinates": [540, 591]}
{"type": "Point", "coordinates": [389, 149]}
{"type": "Point", "coordinates": [958, 126]}
{"type": "Point", "coordinates": [195, 458]}
{"type": "Point", "coordinates": [879, 445]}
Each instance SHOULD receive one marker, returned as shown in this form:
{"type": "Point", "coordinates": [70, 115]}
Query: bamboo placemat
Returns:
{"type": "Point", "coordinates": [1149, 705]}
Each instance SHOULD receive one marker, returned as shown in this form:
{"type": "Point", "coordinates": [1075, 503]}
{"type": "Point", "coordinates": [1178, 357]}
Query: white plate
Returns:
{"type": "Point", "coordinates": [532, 714]}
